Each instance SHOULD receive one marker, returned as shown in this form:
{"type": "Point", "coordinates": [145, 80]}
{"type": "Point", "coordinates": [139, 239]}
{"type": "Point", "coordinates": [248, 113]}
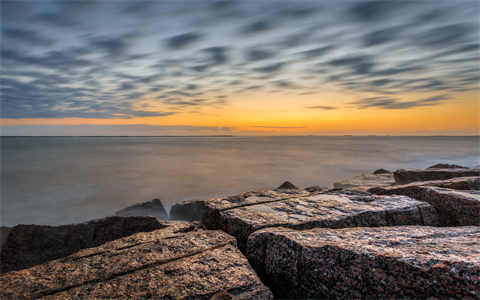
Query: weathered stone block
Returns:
{"type": "Point", "coordinates": [454, 208]}
{"type": "Point", "coordinates": [457, 183]}
{"type": "Point", "coordinates": [187, 211]}
{"type": "Point", "coordinates": [149, 208]}
{"type": "Point", "coordinates": [243, 214]}
{"type": "Point", "coordinates": [29, 245]}
{"type": "Point", "coordinates": [407, 176]}
{"type": "Point", "coordinates": [178, 262]}
{"type": "Point", "coordinates": [412, 262]}
{"type": "Point", "coordinates": [365, 181]}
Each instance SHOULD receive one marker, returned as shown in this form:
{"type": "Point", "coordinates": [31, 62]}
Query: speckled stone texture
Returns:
{"type": "Point", "coordinates": [30, 245]}
{"type": "Point", "coordinates": [178, 262]}
{"type": "Point", "coordinates": [149, 208]}
{"type": "Point", "coordinates": [408, 176]}
{"type": "Point", "coordinates": [407, 262]}
{"type": "Point", "coordinates": [187, 211]}
{"type": "Point", "coordinates": [246, 213]}
{"type": "Point", "coordinates": [458, 183]}
{"type": "Point", "coordinates": [454, 208]}
{"type": "Point", "coordinates": [365, 181]}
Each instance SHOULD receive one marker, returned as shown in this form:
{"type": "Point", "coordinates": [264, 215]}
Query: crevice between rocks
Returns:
{"type": "Point", "coordinates": [421, 216]}
{"type": "Point", "coordinates": [131, 271]}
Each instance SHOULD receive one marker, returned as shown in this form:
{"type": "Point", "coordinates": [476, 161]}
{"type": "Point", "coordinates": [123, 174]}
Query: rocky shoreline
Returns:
{"type": "Point", "coordinates": [403, 234]}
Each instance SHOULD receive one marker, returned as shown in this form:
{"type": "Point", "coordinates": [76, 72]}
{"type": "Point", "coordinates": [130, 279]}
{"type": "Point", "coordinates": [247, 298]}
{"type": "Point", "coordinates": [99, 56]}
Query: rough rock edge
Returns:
{"type": "Point", "coordinates": [30, 245]}
{"type": "Point", "coordinates": [393, 262]}
{"type": "Point", "coordinates": [148, 208]}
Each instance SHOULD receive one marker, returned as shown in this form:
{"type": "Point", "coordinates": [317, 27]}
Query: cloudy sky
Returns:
{"type": "Point", "coordinates": [239, 67]}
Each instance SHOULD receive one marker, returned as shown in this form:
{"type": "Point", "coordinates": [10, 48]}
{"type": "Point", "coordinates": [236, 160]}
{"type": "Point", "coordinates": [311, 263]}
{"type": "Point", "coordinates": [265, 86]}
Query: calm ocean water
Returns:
{"type": "Point", "coordinates": [67, 180]}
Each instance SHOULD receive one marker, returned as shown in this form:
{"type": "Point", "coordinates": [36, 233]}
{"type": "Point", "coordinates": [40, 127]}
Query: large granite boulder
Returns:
{"type": "Point", "coordinates": [192, 210]}
{"type": "Point", "coordinates": [454, 207]}
{"type": "Point", "coordinates": [4, 231]}
{"type": "Point", "coordinates": [149, 208]}
{"type": "Point", "coordinates": [244, 214]}
{"type": "Point", "coordinates": [178, 262]}
{"type": "Point", "coordinates": [187, 211]}
{"type": "Point", "coordinates": [407, 262]}
{"type": "Point", "coordinates": [457, 183]}
{"type": "Point", "coordinates": [408, 176]}
{"type": "Point", "coordinates": [365, 181]}
{"type": "Point", "coordinates": [446, 166]}
{"type": "Point", "coordinates": [30, 245]}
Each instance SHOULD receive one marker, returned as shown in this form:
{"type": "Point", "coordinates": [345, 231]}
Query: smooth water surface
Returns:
{"type": "Point", "coordinates": [61, 180]}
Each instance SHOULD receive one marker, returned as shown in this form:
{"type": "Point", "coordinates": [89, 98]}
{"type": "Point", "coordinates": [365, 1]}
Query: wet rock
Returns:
{"type": "Point", "coordinates": [246, 213]}
{"type": "Point", "coordinates": [407, 262]}
{"type": "Point", "coordinates": [446, 166]}
{"type": "Point", "coordinates": [454, 208]}
{"type": "Point", "coordinates": [287, 185]}
{"type": "Point", "coordinates": [178, 262]}
{"type": "Point", "coordinates": [149, 208]}
{"type": "Point", "coordinates": [4, 230]}
{"type": "Point", "coordinates": [365, 181]}
{"type": "Point", "coordinates": [30, 245]}
{"type": "Point", "coordinates": [187, 210]}
{"type": "Point", "coordinates": [408, 176]}
{"type": "Point", "coordinates": [382, 171]}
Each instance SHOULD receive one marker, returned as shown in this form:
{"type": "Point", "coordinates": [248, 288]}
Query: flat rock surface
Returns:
{"type": "Point", "coordinates": [192, 210]}
{"type": "Point", "coordinates": [29, 245]}
{"type": "Point", "coordinates": [179, 262]}
{"type": "Point", "coordinates": [244, 214]}
{"type": "Point", "coordinates": [149, 208]}
{"type": "Point", "coordinates": [454, 207]}
{"type": "Point", "coordinates": [413, 262]}
{"type": "Point", "coordinates": [407, 176]}
{"type": "Point", "coordinates": [365, 181]}
{"type": "Point", "coordinates": [457, 183]}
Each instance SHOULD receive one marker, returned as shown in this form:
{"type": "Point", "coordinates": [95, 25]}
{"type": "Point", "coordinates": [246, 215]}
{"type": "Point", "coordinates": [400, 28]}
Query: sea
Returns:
{"type": "Point", "coordinates": [64, 180]}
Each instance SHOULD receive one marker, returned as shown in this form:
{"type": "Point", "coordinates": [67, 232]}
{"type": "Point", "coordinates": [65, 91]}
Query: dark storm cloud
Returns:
{"type": "Point", "coordinates": [274, 68]}
{"type": "Point", "coordinates": [317, 52]}
{"type": "Point", "coordinates": [445, 36]}
{"type": "Point", "coordinates": [53, 59]}
{"type": "Point", "coordinates": [23, 35]}
{"type": "Point", "coordinates": [183, 40]}
{"type": "Point", "coordinates": [373, 11]}
{"type": "Point", "coordinates": [392, 103]}
{"type": "Point", "coordinates": [379, 37]}
{"type": "Point", "coordinates": [258, 27]}
{"type": "Point", "coordinates": [323, 107]}
{"type": "Point", "coordinates": [113, 47]}
{"type": "Point", "coordinates": [358, 64]}
{"type": "Point", "coordinates": [258, 54]}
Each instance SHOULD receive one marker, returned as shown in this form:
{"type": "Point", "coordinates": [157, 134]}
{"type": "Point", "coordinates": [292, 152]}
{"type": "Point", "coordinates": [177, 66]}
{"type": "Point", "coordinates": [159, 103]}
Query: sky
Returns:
{"type": "Point", "coordinates": [240, 67]}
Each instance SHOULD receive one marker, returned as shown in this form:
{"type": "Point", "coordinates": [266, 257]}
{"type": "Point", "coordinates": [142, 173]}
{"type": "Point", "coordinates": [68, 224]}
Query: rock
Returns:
{"type": "Point", "coordinates": [149, 208]}
{"type": "Point", "coordinates": [382, 171]}
{"type": "Point", "coordinates": [407, 262]}
{"type": "Point", "coordinates": [187, 211]}
{"type": "Point", "coordinates": [446, 166]}
{"type": "Point", "coordinates": [178, 262]}
{"type": "Point", "coordinates": [287, 185]}
{"type": "Point", "coordinates": [365, 181]}
{"type": "Point", "coordinates": [408, 176]}
{"type": "Point", "coordinates": [246, 213]}
{"type": "Point", "coordinates": [454, 208]}
{"type": "Point", "coordinates": [30, 245]}
{"type": "Point", "coordinates": [4, 230]}
{"type": "Point", "coordinates": [457, 183]}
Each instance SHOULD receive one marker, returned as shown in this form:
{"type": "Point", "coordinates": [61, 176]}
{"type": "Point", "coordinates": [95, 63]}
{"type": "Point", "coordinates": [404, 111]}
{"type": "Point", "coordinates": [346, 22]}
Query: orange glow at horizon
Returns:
{"type": "Point", "coordinates": [282, 114]}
